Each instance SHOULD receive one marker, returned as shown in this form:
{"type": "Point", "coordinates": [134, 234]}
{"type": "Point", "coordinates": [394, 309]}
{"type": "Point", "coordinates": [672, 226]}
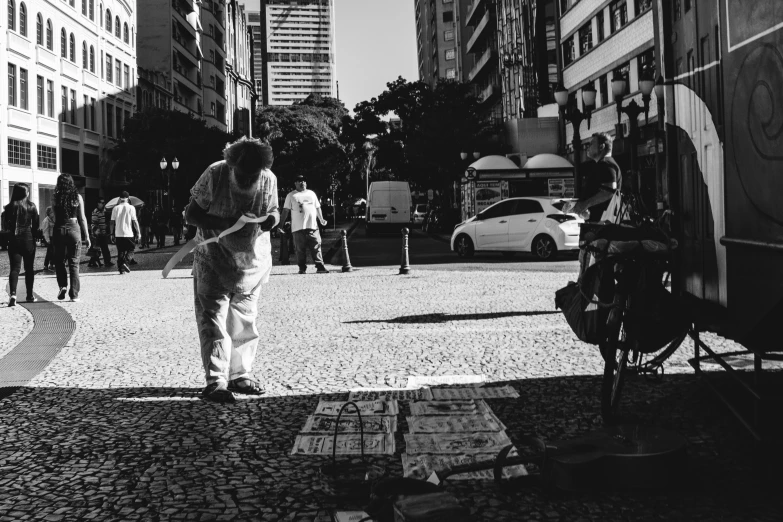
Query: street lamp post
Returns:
{"type": "Point", "coordinates": [660, 133]}
{"type": "Point", "coordinates": [571, 113]}
{"type": "Point", "coordinates": [632, 110]}
{"type": "Point", "coordinates": [164, 170]}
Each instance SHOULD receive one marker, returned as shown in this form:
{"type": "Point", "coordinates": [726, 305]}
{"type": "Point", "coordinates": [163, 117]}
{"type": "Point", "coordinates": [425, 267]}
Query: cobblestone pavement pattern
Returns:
{"type": "Point", "coordinates": [113, 429]}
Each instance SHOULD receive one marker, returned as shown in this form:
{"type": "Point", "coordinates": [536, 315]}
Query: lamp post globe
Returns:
{"type": "Point", "coordinates": [175, 163]}
{"type": "Point", "coordinates": [163, 164]}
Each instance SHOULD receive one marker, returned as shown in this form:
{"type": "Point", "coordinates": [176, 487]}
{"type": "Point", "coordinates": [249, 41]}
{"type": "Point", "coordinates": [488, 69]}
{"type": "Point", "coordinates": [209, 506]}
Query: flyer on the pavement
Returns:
{"type": "Point", "coordinates": [468, 407]}
{"type": "Point", "coordinates": [457, 443]}
{"type": "Point", "coordinates": [498, 392]}
{"type": "Point", "coordinates": [326, 424]}
{"type": "Point", "coordinates": [417, 381]}
{"type": "Point", "coordinates": [365, 407]}
{"type": "Point", "coordinates": [400, 394]}
{"type": "Point", "coordinates": [422, 466]}
{"type": "Point", "coordinates": [455, 423]}
{"type": "Point", "coordinates": [350, 516]}
{"type": "Point", "coordinates": [374, 444]}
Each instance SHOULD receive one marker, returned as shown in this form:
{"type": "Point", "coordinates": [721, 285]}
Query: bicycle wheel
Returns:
{"type": "Point", "coordinates": [615, 354]}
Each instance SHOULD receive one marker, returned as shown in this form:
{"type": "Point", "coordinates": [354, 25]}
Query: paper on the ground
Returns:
{"type": "Point", "coordinates": [498, 392]}
{"type": "Point", "coordinates": [350, 516]}
{"type": "Point", "coordinates": [327, 424]}
{"type": "Point", "coordinates": [419, 381]}
{"type": "Point", "coordinates": [455, 423]}
{"type": "Point", "coordinates": [374, 444]}
{"type": "Point", "coordinates": [191, 245]}
{"type": "Point", "coordinates": [400, 394]}
{"type": "Point", "coordinates": [467, 407]}
{"type": "Point", "coordinates": [365, 407]}
{"type": "Point", "coordinates": [422, 466]}
{"type": "Point", "coordinates": [457, 443]}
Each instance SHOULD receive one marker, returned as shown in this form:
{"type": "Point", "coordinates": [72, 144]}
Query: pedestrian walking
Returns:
{"type": "Point", "coordinates": [47, 227]}
{"type": "Point", "coordinates": [124, 230]}
{"type": "Point", "coordinates": [70, 230]}
{"type": "Point", "coordinates": [227, 275]}
{"type": "Point", "coordinates": [175, 225]}
{"type": "Point", "coordinates": [20, 218]}
{"type": "Point", "coordinates": [100, 231]}
{"type": "Point", "coordinates": [160, 222]}
{"type": "Point", "coordinates": [145, 218]}
{"type": "Point", "coordinates": [305, 210]}
{"type": "Point", "coordinates": [601, 176]}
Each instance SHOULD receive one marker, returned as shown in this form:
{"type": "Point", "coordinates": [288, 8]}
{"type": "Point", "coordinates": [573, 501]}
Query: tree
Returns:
{"type": "Point", "coordinates": [305, 140]}
{"type": "Point", "coordinates": [155, 133]}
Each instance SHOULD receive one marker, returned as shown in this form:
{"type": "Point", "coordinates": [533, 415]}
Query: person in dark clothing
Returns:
{"type": "Point", "coordinates": [21, 218]}
{"type": "Point", "coordinates": [175, 224]}
{"type": "Point", "coordinates": [100, 231]}
{"type": "Point", "coordinates": [600, 176]}
{"type": "Point", "coordinates": [145, 219]}
{"type": "Point", "coordinates": [160, 222]}
{"type": "Point", "coordinates": [70, 230]}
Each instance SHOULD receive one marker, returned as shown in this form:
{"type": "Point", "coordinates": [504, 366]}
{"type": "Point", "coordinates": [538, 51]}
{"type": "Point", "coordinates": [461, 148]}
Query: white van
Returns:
{"type": "Point", "coordinates": [388, 203]}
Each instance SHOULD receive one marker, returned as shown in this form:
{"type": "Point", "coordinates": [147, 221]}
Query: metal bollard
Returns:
{"type": "Point", "coordinates": [346, 260]}
{"type": "Point", "coordinates": [404, 264]}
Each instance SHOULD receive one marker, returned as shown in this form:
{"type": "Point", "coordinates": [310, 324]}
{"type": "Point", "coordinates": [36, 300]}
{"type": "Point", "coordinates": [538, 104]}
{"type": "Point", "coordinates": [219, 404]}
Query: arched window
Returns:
{"type": "Point", "coordinates": [125, 33]}
{"type": "Point", "coordinates": [23, 19]}
{"type": "Point", "coordinates": [72, 3]}
{"type": "Point", "coordinates": [92, 9]}
{"type": "Point", "coordinates": [72, 55]}
{"type": "Point", "coordinates": [12, 15]}
{"type": "Point", "coordinates": [39, 30]}
{"type": "Point", "coordinates": [49, 35]}
{"type": "Point", "coordinates": [92, 59]}
{"type": "Point", "coordinates": [84, 55]}
{"type": "Point", "coordinates": [108, 20]}
{"type": "Point", "coordinates": [63, 43]}
{"type": "Point", "coordinates": [117, 27]}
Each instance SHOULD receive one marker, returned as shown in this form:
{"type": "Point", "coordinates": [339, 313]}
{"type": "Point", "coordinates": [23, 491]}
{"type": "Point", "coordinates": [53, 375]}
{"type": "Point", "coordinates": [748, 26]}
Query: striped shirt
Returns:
{"type": "Point", "coordinates": [98, 222]}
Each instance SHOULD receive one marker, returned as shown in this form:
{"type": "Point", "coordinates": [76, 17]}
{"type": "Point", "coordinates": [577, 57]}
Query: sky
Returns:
{"type": "Point", "coordinates": [376, 43]}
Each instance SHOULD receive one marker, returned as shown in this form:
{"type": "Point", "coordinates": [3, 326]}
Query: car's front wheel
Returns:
{"type": "Point", "coordinates": [544, 248]}
{"type": "Point", "coordinates": [463, 245]}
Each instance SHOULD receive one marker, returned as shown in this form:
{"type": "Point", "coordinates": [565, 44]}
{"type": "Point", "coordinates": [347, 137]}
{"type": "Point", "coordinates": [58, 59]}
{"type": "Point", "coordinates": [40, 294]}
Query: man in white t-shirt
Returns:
{"type": "Point", "coordinates": [125, 230]}
{"type": "Point", "coordinates": [305, 215]}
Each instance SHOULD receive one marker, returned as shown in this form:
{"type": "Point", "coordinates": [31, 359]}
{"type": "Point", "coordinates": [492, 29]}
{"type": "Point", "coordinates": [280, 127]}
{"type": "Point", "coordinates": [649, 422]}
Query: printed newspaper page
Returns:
{"type": "Point", "coordinates": [468, 407]}
{"type": "Point", "coordinates": [326, 424]}
{"type": "Point", "coordinates": [488, 442]}
{"type": "Point", "coordinates": [499, 392]}
{"type": "Point", "coordinates": [422, 466]}
{"type": "Point", "coordinates": [455, 423]}
{"type": "Point", "coordinates": [365, 407]}
{"type": "Point", "coordinates": [400, 394]}
{"type": "Point", "coordinates": [374, 444]}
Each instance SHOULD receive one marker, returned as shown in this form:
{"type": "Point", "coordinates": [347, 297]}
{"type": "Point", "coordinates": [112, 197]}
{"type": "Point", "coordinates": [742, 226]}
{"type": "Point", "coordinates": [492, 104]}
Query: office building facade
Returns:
{"type": "Point", "coordinates": [440, 39]}
{"type": "Point", "coordinates": [70, 86]}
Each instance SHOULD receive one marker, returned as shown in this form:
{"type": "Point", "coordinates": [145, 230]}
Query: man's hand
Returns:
{"type": "Point", "coordinates": [322, 221]}
{"type": "Point", "coordinates": [578, 209]}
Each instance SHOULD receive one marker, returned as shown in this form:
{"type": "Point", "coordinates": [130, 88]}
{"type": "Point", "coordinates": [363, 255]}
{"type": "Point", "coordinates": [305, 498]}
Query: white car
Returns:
{"type": "Point", "coordinates": [531, 224]}
{"type": "Point", "coordinates": [419, 211]}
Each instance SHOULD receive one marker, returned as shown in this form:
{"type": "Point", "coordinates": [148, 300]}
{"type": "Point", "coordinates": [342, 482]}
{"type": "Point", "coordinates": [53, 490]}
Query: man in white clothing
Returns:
{"type": "Point", "coordinates": [124, 230]}
{"type": "Point", "coordinates": [305, 215]}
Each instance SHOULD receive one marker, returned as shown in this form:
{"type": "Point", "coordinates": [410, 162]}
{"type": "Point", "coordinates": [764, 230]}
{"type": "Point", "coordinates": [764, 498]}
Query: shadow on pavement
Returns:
{"type": "Point", "coordinates": [160, 453]}
{"type": "Point", "coordinates": [445, 318]}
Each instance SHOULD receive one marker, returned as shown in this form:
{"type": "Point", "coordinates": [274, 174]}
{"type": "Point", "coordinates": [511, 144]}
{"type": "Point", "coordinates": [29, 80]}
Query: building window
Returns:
{"type": "Point", "coordinates": [23, 89]}
{"type": "Point", "coordinates": [12, 15]}
{"type": "Point", "coordinates": [117, 27]}
{"type": "Point", "coordinates": [118, 112]}
{"type": "Point", "coordinates": [646, 65]}
{"type": "Point", "coordinates": [85, 113]}
{"type": "Point", "coordinates": [451, 54]}
{"type": "Point", "coordinates": [39, 32]}
{"type": "Point", "coordinates": [12, 85]}
{"type": "Point", "coordinates": [84, 55]}
{"type": "Point", "coordinates": [73, 107]}
{"type": "Point", "coordinates": [23, 19]}
{"type": "Point", "coordinates": [448, 16]}
{"type": "Point", "coordinates": [451, 73]}
{"type": "Point", "coordinates": [108, 68]}
{"type": "Point", "coordinates": [127, 76]}
{"type": "Point", "coordinates": [39, 90]}
{"type": "Point", "coordinates": [642, 5]}
{"type": "Point", "coordinates": [619, 14]}
{"type": "Point", "coordinates": [599, 22]}
{"type": "Point", "coordinates": [118, 71]}
{"type": "Point", "coordinates": [63, 43]}
{"type": "Point", "coordinates": [212, 108]}
{"type": "Point", "coordinates": [18, 152]}
{"type": "Point", "coordinates": [687, 5]}
{"type": "Point", "coordinates": [49, 35]}
{"type": "Point", "coordinates": [108, 21]}
{"type": "Point", "coordinates": [64, 104]}
{"type": "Point", "coordinates": [92, 113]}
{"type": "Point", "coordinates": [47, 157]}
{"type": "Point", "coordinates": [92, 9]}
{"type": "Point", "coordinates": [50, 98]}
{"type": "Point", "coordinates": [585, 38]}
{"type": "Point", "coordinates": [568, 51]}
{"type": "Point", "coordinates": [125, 37]}
{"type": "Point", "coordinates": [110, 120]}
{"type": "Point", "coordinates": [448, 35]}
{"type": "Point", "coordinates": [602, 87]}
{"type": "Point", "coordinates": [92, 59]}
{"type": "Point", "coordinates": [72, 55]}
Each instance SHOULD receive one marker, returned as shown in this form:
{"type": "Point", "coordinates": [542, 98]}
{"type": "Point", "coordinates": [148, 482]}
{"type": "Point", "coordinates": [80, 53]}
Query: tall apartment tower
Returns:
{"type": "Point", "coordinates": [256, 24]}
{"type": "Point", "coordinates": [481, 24]}
{"type": "Point", "coordinates": [299, 57]}
{"type": "Point", "coordinates": [70, 87]}
{"type": "Point", "coordinates": [240, 88]}
{"type": "Point", "coordinates": [440, 45]}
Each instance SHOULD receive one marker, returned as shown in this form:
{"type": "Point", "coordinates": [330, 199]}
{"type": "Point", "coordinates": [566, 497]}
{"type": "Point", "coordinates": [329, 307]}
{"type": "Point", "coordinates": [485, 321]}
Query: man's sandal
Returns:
{"type": "Point", "coordinates": [217, 392]}
{"type": "Point", "coordinates": [246, 386]}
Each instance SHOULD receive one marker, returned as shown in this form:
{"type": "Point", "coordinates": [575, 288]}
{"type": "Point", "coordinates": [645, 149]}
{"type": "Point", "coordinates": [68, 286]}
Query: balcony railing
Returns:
{"type": "Point", "coordinates": [478, 32]}
{"type": "Point", "coordinates": [481, 64]}
{"type": "Point", "coordinates": [488, 92]}
{"type": "Point", "coordinates": [472, 10]}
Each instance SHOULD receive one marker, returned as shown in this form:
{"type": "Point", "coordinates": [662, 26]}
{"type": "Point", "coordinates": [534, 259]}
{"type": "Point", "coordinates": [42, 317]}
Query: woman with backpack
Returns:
{"type": "Point", "coordinates": [70, 229]}
{"type": "Point", "coordinates": [21, 219]}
